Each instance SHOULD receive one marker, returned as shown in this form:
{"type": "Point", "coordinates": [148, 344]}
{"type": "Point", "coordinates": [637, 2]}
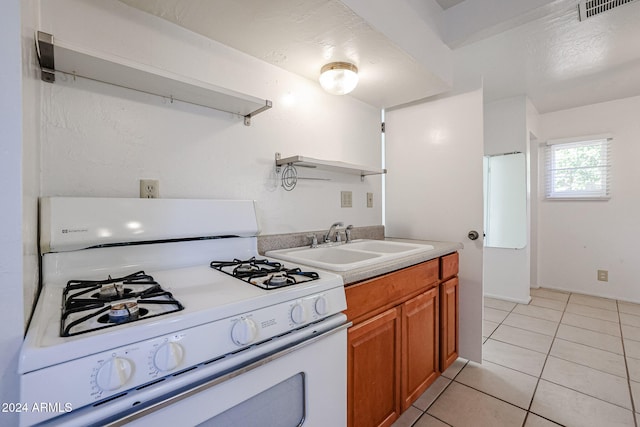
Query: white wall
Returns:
{"type": "Point", "coordinates": [533, 156]}
{"type": "Point", "coordinates": [576, 238]}
{"type": "Point", "coordinates": [99, 140]}
{"type": "Point", "coordinates": [11, 328]}
{"type": "Point", "coordinates": [506, 271]}
{"type": "Point", "coordinates": [31, 88]}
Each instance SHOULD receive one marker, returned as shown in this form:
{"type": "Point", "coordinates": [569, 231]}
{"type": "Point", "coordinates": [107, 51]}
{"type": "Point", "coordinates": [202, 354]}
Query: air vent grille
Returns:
{"type": "Point", "coordinates": [590, 8]}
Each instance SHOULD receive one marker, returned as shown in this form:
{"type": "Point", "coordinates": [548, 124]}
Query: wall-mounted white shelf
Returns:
{"type": "Point", "coordinates": [63, 57]}
{"type": "Point", "coordinates": [328, 165]}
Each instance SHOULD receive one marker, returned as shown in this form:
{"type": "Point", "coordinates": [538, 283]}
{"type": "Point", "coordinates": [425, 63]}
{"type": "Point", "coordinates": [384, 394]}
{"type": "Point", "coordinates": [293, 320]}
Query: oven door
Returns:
{"type": "Point", "coordinates": [304, 384]}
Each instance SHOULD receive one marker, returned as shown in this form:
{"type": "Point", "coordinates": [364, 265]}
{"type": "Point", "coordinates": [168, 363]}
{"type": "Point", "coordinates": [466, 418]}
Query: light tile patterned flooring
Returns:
{"type": "Point", "coordinates": [564, 359]}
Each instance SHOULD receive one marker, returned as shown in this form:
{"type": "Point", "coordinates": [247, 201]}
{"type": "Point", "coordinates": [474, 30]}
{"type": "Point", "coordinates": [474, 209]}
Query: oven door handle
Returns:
{"type": "Point", "coordinates": [218, 380]}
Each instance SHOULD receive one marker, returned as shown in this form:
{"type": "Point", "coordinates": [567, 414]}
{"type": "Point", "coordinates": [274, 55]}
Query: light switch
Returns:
{"type": "Point", "coordinates": [346, 199]}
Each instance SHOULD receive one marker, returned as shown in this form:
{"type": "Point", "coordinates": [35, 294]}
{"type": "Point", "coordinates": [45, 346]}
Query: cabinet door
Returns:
{"type": "Point", "coordinates": [419, 345]}
{"type": "Point", "coordinates": [448, 322]}
{"type": "Point", "coordinates": [373, 383]}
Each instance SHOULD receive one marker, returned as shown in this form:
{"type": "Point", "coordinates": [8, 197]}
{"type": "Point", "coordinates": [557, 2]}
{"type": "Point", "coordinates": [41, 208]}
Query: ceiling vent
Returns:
{"type": "Point", "coordinates": [591, 8]}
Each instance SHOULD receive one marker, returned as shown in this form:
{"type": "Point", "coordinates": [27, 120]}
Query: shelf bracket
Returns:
{"type": "Point", "coordinates": [247, 119]}
{"type": "Point", "coordinates": [278, 167]}
{"type": "Point", "coordinates": [44, 49]}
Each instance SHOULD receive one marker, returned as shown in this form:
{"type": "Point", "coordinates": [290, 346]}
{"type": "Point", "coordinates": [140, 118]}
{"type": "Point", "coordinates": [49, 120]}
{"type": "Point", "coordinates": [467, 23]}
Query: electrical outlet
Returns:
{"type": "Point", "coordinates": [603, 275]}
{"type": "Point", "coordinates": [149, 189]}
{"type": "Point", "coordinates": [369, 200]}
{"type": "Point", "coordinates": [346, 199]}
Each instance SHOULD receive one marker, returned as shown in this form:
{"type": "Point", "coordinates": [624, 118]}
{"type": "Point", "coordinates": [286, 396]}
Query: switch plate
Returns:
{"type": "Point", "coordinates": [149, 189]}
{"type": "Point", "coordinates": [369, 200]}
{"type": "Point", "coordinates": [346, 199]}
{"type": "Point", "coordinates": [603, 275]}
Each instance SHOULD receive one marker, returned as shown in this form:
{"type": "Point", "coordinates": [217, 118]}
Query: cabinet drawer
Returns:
{"type": "Point", "coordinates": [449, 265]}
{"type": "Point", "coordinates": [376, 295]}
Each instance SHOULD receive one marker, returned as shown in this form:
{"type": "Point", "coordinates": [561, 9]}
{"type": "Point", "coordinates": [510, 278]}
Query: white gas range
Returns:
{"type": "Point", "coordinates": [150, 305]}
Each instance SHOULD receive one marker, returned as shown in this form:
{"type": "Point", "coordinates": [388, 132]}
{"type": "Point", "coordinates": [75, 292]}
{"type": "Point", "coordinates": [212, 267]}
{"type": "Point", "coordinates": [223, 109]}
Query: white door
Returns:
{"type": "Point", "coordinates": [434, 154]}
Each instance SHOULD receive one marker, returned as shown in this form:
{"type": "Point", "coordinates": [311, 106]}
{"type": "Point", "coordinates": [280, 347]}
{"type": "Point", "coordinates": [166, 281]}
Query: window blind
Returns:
{"type": "Point", "coordinates": [578, 169]}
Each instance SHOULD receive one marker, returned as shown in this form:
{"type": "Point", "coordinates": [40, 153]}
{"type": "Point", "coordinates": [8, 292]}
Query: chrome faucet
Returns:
{"type": "Point", "coordinates": [327, 237]}
{"type": "Point", "coordinates": [347, 232]}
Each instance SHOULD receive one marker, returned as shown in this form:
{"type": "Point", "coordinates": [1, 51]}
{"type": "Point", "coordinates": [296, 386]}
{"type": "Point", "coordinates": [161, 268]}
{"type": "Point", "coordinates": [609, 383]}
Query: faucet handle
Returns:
{"type": "Point", "coordinates": [347, 232]}
{"type": "Point", "coordinates": [314, 240]}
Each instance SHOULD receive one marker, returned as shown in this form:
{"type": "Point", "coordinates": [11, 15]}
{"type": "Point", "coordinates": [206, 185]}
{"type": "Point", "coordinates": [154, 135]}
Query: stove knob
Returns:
{"type": "Point", "coordinates": [321, 306]}
{"type": "Point", "coordinates": [244, 331]}
{"type": "Point", "coordinates": [168, 356]}
{"type": "Point", "coordinates": [298, 314]}
{"type": "Point", "coordinates": [114, 373]}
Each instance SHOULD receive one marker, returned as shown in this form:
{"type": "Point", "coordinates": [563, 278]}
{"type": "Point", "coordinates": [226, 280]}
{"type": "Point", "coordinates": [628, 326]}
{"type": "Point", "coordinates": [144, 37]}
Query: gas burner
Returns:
{"type": "Point", "coordinates": [115, 290]}
{"type": "Point", "coordinates": [89, 305]}
{"type": "Point", "coordinates": [278, 280]}
{"type": "Point", "coordinates": [264, 273]}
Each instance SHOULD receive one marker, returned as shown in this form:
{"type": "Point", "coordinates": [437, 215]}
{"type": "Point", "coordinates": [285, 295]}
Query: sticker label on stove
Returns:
{"type": "Point", "coordinates": [267, 323]}
{"type": "Point", "coordinates": [74, 230]}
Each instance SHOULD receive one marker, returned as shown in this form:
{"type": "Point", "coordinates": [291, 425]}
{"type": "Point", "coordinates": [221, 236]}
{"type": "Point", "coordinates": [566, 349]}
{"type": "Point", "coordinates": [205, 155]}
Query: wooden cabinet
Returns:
{"type": "Point", "coordinates": [404, 334]}
{"type": "Point", "coordinates": [449, 296]}
{"type": "Point", "coordinates": [393, 344]}
{"type": "Point", "coordinates": [373, 383]}
{"type": "Point", "coordinates": [448, 323]}
{"type": "Point", "coordinates": [419, 345]}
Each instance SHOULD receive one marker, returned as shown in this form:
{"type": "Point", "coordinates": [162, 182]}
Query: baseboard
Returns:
{"type": "Point", "coordinates": [581, 292]}
{"type": "Point", "coordinates": [503, 298]}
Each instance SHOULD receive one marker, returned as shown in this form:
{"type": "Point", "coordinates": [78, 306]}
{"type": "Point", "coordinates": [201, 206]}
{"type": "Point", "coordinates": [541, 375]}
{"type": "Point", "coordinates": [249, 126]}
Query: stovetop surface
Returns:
{"type": "Point", "coordinates": [206, 294]}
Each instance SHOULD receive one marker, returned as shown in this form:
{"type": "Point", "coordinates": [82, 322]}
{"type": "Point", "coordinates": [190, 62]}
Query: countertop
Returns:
{"type": "Point", "coordinates": [439, 249]}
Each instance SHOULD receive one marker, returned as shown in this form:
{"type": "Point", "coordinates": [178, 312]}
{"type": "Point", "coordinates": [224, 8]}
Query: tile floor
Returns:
{"type": "Point", "coordinates": [564, 359]}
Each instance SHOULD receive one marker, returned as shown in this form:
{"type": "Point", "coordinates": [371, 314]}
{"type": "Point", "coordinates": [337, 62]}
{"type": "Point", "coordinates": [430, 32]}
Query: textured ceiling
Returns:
{"type": "Point", "coordinates": [446, 4]}
{"type": "Point", "coordinates": [558, 61]}
{"type": "Point", "coordinates": [536, 48]}
{"type": "Point", "coordinates": [301, 36]}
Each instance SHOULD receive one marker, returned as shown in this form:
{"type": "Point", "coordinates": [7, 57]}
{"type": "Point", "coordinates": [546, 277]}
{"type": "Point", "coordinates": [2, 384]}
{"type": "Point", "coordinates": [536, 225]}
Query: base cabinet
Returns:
{"type": "Point", "coordinates": [449, 322]}
{"type": "Point", "coordinates": [449, 325]}
{"type": "Point", "coordinates": [373, 369]}
{"type": "Point", "coordinates": [393, 344]}
{"type": "Point", "coordinates": [404, 334]}
{"type": "Point", "coordinates": [419, 345]}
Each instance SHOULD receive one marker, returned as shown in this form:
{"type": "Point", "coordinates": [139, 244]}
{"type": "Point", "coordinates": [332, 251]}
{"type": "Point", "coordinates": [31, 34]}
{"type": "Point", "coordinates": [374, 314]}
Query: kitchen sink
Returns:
{"type": "Point", "coordinates": [387, 247]}
{"type": "Point", "coordinates": [333, 255]}
{"type": "Point", "coordinates": [348, 256]}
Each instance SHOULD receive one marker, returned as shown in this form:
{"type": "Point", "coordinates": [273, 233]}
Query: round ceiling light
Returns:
{"type": "Point", "coordinates": [339, 78]}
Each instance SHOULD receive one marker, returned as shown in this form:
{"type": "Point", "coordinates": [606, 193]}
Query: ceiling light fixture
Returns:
{"type": "Point", "coordinates": [339, 78]}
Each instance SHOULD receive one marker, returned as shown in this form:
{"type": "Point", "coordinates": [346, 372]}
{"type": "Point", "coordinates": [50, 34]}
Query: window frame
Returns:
{"type": "Point", "coordinates": [550, 168]}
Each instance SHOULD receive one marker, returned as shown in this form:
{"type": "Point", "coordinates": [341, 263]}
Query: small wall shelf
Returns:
{"type": "Point", "coordinates": [118, 71]}
{"type": "Point", "coordinates": [329, 165]}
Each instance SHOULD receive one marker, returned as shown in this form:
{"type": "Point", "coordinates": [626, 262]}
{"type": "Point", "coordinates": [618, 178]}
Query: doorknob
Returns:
{"type": "Point", "coordinates": [473, 235]}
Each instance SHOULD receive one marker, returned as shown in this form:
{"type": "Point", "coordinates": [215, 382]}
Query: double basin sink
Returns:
{"type": "Point", "coordinates": [348, 256]}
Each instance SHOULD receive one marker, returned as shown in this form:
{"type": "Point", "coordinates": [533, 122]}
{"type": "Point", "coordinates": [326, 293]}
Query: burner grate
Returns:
{"type": "Point", "coordinates": [264, 273]}
{"type": "Point", "coordinates": [85, 305]}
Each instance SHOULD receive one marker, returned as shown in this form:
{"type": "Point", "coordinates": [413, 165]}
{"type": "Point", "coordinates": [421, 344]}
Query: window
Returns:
{"type": "Point", "coordinates": [578, 168]}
